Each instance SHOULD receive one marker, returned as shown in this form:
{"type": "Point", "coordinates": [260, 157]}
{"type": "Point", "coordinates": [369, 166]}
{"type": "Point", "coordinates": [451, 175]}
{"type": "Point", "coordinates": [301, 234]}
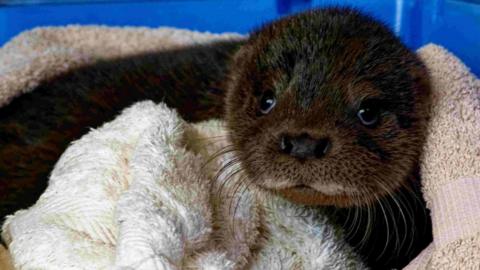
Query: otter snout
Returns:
{"type": "Point", "coordinates": [304, 146]}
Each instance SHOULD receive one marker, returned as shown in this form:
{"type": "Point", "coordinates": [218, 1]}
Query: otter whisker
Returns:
{"type": "Point", "coordinates": [389, 195]}
{"type": "Point", "coordinates": [413, 233]}
{"type": "Point", "coordinates": [222, 151]}
{"type": "Point", "coordinates": [207, 141]}
{"type": "Point", "coordinates": [368, 230]}
{"type": "Point", "coordinates": [400, 208]}
{"type": "Point", "coordinates": [388, 228]}
{"type": "Point", "coordinates": [226, 164]}
{"type": "Point", "coordinates": [229, 177]}
{"type": "Point", "coordinates": [396, 233]}
{"type": "Point", "coordinates": [240, 197]}
{"type": "Point", "coordinates": [418, 199]}
{"type": "Point", "coordinates": [410, 212]}
{"type": "Point", "coordinates": [246, 187]}
{"type": "Point", "coordinates": [356, 221]}
{"type": "Point", "coordinates": [347, 221]}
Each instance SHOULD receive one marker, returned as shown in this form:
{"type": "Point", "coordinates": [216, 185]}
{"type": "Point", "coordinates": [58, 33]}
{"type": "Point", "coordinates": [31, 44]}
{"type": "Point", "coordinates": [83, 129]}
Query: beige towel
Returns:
{"type": "Point", "coordinates": [44, 52]}
{"type": "Point", "coordinates": [151, 200]}
{"type": "Point", "coordinates": [450, 167]}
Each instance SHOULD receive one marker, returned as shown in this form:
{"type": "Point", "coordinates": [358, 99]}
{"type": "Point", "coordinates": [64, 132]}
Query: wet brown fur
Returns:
{"type": "Point", "coordinates": [36, 127]}
{"type": "Point", "coordinates": [321, 65]}
{"type": "Point", "coordinates": [370, 162]}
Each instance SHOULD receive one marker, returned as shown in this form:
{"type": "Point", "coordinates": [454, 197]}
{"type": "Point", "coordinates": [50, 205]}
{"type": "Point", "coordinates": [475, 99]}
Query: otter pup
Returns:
{"type": "Point", "coordinates": [328, 107]}
{"type": "Point", "coordinates": [325, 108]}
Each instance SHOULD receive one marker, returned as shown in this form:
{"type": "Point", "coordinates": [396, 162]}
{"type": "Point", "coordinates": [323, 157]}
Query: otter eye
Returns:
{"type": "Point", "coordinates": [369, 113]}
{"type": "Point", "coordinates": [267, 102]}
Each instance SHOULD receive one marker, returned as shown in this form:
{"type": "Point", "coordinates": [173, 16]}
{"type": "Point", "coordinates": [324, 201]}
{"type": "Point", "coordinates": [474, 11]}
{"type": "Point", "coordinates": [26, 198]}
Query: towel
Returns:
{"type": "Point", "coordinates": [142, 192]}
{"type": "Point", "coordinates": [450, 166]}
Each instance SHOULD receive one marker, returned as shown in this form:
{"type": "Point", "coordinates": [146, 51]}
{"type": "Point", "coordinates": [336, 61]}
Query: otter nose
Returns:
{"type": "Point", "coordinates": [304, 146]}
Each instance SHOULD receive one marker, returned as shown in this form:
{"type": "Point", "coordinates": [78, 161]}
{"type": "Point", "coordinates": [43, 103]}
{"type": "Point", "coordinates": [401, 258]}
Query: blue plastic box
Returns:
{"type": "Point", "coordinates": [455, 24]}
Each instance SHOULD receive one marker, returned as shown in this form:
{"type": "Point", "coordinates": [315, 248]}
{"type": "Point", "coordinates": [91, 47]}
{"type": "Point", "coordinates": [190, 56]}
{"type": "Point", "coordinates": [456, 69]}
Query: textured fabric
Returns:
{"type": "Point", "coordinates": [453, 203]}
{"type": "Point", "coordinates": [451, 165]}
{"type": "Point", "coordinates": [43, 52]}
{"type": "Point", "coordinates": [139, 192]}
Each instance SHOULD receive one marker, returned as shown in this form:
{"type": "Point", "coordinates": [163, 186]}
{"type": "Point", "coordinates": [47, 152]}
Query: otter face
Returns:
{"type": "Point", "coordinates": [327, 107]}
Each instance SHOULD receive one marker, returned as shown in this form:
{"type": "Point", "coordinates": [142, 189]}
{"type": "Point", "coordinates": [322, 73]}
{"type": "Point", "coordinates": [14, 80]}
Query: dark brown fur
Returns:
{"type": "Point", "coordinates": [37, 127]}
{"type": "Point", "coordinates": [320, 64]}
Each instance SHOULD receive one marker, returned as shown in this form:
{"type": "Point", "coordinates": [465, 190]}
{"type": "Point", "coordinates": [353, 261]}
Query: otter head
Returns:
{"type": "Point", "coordinates": [327, 107]}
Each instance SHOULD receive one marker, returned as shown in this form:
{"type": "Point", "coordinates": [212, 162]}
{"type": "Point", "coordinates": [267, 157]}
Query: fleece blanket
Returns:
{"type": "Point", "coordinates": [450, 165]}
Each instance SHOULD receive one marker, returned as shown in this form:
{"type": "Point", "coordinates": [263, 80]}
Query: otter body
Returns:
{"type": "Point", "coordinates": [36, 127]}
{"type": "Point", "coordinates": [324, 108]}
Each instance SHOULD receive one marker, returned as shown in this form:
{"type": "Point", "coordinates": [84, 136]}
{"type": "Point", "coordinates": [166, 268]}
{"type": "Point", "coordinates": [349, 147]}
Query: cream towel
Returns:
{"type": "Point", "coordinates": [451, 165]}
{"type": "Point", "coordinates": [140, 193]}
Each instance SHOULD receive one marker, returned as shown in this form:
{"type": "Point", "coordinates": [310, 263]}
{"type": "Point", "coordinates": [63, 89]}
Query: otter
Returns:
{"type": "Point", "coordinates": [325, 108]}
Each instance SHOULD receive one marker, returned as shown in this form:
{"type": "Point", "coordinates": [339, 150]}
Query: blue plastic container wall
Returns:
{"type": "Point", "coordinates": [454, 24]}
